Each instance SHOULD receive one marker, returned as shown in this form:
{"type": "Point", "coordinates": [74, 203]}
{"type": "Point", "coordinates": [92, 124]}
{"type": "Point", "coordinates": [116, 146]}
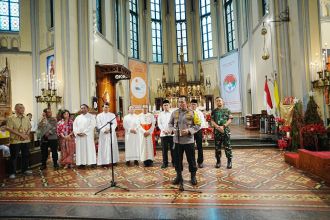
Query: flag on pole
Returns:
{"type": "Point", "coordinates": [267, 98]}
{"type": "Point", "coordinates": [276, 95]}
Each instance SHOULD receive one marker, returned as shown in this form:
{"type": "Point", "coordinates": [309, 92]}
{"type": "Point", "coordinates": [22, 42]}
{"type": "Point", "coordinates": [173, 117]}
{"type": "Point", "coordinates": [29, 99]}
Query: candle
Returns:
{"type": "Point", "coordinates": [326, 53]}
{"type": "Point", "coordinates": [312, 71]}
{"type": "Point", "coordinates": [323, 60]}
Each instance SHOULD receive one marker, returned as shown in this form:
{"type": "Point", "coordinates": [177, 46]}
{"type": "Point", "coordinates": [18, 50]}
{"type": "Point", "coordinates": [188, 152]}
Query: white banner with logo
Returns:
{"type": "Point", "coordinates": [230, 83]}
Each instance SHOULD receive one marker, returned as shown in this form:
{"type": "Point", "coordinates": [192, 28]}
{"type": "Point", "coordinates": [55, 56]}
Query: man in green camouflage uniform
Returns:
{"type": "Point", "coordinates": [220, 119]}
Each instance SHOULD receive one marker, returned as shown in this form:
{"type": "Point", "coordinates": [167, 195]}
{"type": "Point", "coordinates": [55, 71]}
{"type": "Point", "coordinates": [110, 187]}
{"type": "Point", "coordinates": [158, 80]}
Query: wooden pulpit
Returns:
{"type": "Point", "coordinates": [107, 75]}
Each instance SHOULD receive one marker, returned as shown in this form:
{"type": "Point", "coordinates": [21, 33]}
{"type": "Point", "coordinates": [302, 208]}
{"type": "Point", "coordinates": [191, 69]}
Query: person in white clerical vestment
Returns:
{"type": "Point", "coordinates": [146, 128]}
{"type": "Point", "coordinates": [132, 139]}
{"type": "Point", "coordinates": [104, 150]}
{"type": "Point", "coordinates": [83, 129]}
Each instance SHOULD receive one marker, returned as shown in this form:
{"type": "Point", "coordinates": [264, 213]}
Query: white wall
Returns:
{"type": "Point", "coordinates": [20, 63]}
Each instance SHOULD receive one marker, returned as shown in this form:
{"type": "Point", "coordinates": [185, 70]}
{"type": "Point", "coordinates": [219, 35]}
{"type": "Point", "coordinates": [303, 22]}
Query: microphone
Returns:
{"type": "Point", "coordinates": [109, 122]}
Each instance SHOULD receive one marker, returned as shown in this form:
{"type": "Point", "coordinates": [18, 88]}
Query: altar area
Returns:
{"type": "Point", "coordinates": [198, 89]}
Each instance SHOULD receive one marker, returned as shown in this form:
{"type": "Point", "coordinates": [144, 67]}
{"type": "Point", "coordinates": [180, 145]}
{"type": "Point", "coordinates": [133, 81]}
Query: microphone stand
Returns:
{"type": "Point", "coordinates": [180, 167]}
{"type": "Point", "coordinates": [113, 184]}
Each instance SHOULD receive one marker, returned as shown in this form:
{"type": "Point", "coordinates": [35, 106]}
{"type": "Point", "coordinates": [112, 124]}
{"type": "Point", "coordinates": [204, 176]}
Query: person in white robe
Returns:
{"type": "Point", "coordinates": [146, 128]}
{"type": "Point", "coordinates": [104, 151]}
{"type": "Point", "coordinates": [83, 129]}
{"type": "Point", "coordinates": [132, 139]}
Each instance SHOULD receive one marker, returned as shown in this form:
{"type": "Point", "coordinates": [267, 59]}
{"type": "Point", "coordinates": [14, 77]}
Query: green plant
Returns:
{"type": "Point", "coordinates": [312, 115]}
{"type": "Point", "coordinates": [296, 124]}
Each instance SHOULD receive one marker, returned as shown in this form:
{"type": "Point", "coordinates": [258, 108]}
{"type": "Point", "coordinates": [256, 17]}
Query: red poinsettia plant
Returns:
{"type": "Point", "coordinates": [207, 133]}
{"type": "Point", "coordinates": [208, 117]}
{"type": "Point", "coordinates": [282, 143]}
{"type": "Point", "coordinates": [314, 129]}
{"type": "Point", "coordinates": [280, 121]}
{"type": "Point", "coordinates": [285, 129]}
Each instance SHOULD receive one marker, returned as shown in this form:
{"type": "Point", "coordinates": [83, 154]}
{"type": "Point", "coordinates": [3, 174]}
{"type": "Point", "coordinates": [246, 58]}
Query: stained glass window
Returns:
{"type": "Point", "coordinates": [206, 28]}
{"type": "Point", "coordinates": [99, 15]}
{"type": "Point", "coordinates": [9, 15]}
{"type": "Point", "coordinates": [265, 8]}
{"type": "Point", "coordinates": [230, 27]}
{"type": "Point", "coordinates": [117, 17]}
{"type": "Point", "coordinates": [134, 28]}
{"type": "Point", "coordinates": [156, 30]}
{"type": "Point", "coordinates": [51, 13]}
{"type": "Point", "coordinates": [181, 28]}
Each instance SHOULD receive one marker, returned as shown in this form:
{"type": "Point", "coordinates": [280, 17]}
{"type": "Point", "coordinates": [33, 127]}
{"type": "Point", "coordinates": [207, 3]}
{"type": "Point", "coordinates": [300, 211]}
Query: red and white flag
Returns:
{"type": "Point", "coordinates": [267, 98]}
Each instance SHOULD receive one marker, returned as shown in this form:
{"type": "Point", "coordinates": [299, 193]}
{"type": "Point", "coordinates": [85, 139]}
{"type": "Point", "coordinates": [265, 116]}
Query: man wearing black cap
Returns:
{"type": "Point", "coordinates": [199, 134]}
{"type": "Point", "coordinates": [184, 123]}
{"type": "Point", "coordinates": [165, 135]}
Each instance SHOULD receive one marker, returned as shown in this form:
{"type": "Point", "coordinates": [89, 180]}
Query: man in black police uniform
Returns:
{"type": "Point", "coordinates": [184, 123]}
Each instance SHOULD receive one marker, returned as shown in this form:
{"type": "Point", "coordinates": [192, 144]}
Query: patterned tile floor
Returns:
{"type": "Point", "coordinates": [260, 179]}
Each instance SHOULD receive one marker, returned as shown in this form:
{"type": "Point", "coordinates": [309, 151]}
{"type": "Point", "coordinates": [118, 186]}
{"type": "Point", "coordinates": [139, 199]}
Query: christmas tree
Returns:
{"type": "Point", "coordinates": [312, 114]}
{"type": "Point", "coordinates": [296, 125]}
{"type": "Point", "coordinates": [313, 126]}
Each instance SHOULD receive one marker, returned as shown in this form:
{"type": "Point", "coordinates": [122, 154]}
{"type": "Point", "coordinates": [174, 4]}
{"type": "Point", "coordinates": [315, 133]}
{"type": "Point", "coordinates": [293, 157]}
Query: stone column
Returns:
{"type": "Point", "coordinates": [35, 53]}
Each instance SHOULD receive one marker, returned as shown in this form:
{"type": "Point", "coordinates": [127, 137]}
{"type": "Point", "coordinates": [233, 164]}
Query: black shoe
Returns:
{"type": "Point", "coordinates": [81, 167]}
{"type": "Point", "coordinates": [42, 167]}
{"type": "Point", "coordinates": [229, 164]}
{"type": "Point", "coordinates": [128, 163]}
{"type": "Point", "coordinates": [218, 165]}
{"type": "Point", "coordinates": [136, 163]}
{"type": "Point", "coordinates": [178, 179]}
{"type": "Point", "coordinates": [56, 166]}
{"type": "Point", "coordinates": [193, 179]}
{"type": "Point", "coordinates": [200, 165]}
{"type": "Point", "coordinates": [164, 166]}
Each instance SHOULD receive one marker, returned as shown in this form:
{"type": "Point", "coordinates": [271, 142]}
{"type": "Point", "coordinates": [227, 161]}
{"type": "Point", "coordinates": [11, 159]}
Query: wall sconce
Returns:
{"type": "Point", "coordinates": [283, 17]}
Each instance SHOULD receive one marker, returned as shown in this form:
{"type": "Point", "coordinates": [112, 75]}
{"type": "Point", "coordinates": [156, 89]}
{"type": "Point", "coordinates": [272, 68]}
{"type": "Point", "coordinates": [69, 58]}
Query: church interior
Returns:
{"type": "Point", "coordinates": [60, 54]}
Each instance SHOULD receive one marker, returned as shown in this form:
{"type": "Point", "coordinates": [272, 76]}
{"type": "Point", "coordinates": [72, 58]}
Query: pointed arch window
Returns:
{"type": "Point", "coordinates": [117, 22]}
{"type": "Point", "coordinates": [99, 15]}
{"type": "Point", "coordinates": [134, 28]}
{"type": "Point", "coordinates": [156, 30]}
{"type": "Point", "coordinates": [206, 28]}
{"type": "Point", "coordinates": [181, 29]}
{"type": "Point", "coordinates": [265, 7]}
{"type": "Point", "coordinates": [230, 26]}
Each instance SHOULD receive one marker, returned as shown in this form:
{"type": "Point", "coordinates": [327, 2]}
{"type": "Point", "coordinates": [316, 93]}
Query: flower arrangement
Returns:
{"type": "Point", "coordinates": [282, 143]}
{"type": "Point", "coordinates": [280, 121]}
{"type": "Point", "coordinates": [207, 133]}
{"type": "Point", "coordinates": [208, 117]}
{"type": "Point", "coordinates": [314, 129]}
{"type": "Point", "coordinates": [285, 129]}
